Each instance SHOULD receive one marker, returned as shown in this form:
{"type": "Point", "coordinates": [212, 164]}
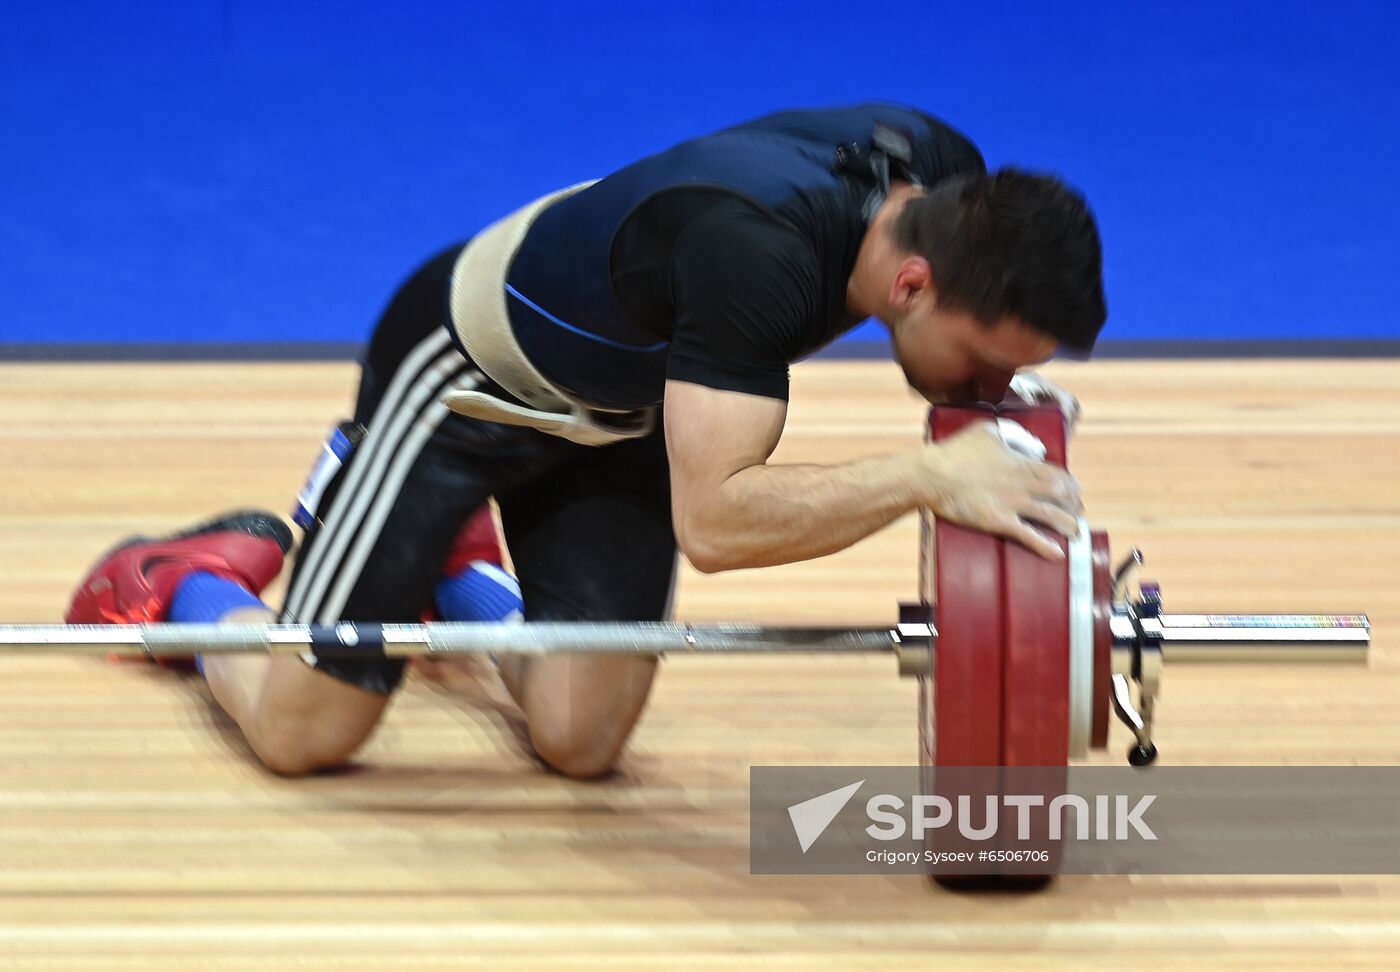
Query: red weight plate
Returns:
{"type": "Point", "coordinates": [1103, 638]}
{"type": "Point", "coordinates": [963, 706]}
{"type": "Point", "coordinates": [1035, 679]}
{"type": "Point", "coordinates": [1035, 674]}
{"type": "Point", "coordinates": [968, 661]}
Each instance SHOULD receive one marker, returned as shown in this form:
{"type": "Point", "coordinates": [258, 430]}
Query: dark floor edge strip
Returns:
{"type": "Point", "coordinates": [78, 352]}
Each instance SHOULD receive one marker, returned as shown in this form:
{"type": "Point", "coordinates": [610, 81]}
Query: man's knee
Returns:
{"type": "Point", "coordinates": [577, 751]}
{"type": "Point", "coordinates": [582, 710]}
{"type": "Point", "coordinates": [294, 746]}
{"type": "Point", "coordinates": [306, 720]}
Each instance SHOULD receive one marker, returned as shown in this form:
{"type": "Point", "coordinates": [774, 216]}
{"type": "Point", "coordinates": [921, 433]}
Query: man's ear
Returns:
{"type": "Point", "coordinates": [913, 278]}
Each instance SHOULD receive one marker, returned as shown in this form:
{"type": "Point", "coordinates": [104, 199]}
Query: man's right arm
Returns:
{"type": "Point", "coordinates": [732, 509]}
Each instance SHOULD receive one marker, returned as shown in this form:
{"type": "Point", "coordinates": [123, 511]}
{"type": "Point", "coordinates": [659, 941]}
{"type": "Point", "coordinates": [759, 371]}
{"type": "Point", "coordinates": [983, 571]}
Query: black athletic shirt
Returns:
{"type": "Point", "coordinates": [718, 262]}
{"type": "Point", "coordinates": [739, 291]}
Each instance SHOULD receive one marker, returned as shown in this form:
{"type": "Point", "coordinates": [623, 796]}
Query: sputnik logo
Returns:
{"type": "Point", "coordinates": [810, 818]}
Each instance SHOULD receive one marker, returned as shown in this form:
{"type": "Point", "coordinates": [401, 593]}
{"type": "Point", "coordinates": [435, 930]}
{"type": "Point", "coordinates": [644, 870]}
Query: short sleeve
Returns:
{"type": "Point", "coordinates": [745, 285]}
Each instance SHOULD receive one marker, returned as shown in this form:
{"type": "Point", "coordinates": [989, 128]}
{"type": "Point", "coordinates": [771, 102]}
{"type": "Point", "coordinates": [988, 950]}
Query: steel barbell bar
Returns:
{"type": "Point", "coordinates": [1238, 637]}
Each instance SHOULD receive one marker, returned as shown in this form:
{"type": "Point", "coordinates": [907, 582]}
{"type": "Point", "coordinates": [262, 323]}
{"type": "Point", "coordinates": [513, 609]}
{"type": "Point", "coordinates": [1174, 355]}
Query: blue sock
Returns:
{"type": "Point", "coordinates": [481, 592]}
{"type": "Point", "coordinates": [205, 598]}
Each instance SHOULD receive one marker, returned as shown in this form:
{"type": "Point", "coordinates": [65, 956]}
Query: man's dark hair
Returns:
{"type": "Point", "coordinates": [1012, 242]}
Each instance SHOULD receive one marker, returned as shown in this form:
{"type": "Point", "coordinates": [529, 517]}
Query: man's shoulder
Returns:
{"type": "Point", "coordinates": [741, 237]}
{"type": "Point", "coordinates": [939, 148]}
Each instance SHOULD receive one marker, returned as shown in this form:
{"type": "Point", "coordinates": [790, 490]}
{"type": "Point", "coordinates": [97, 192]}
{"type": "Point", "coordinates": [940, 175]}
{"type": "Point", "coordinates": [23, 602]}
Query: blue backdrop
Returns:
{"type": "Point", "coordinates": [255, 171]}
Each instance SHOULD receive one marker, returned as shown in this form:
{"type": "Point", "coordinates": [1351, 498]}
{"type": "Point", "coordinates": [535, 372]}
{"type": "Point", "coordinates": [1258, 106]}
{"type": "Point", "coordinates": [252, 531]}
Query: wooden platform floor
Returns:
{"type": "Point", "coordinates": [136, 834]}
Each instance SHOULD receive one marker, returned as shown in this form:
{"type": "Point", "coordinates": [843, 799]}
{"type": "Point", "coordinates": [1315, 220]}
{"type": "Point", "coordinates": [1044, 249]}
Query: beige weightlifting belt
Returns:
{"type": "Point", "coordinates": [482, 323]}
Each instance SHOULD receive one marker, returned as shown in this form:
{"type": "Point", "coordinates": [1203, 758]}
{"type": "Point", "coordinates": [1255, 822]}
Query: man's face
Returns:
{"type": "Point", "coordinates": [948, 356]}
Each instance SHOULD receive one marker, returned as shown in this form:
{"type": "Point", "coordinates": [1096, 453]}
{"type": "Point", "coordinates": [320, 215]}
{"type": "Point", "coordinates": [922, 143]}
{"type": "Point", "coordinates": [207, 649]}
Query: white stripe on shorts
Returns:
{"type": "Point", "coordinates": [413, 386]}
{"type": "Point", "coordinates": [408, 373]}
{"type": "Point", "coordinates": [382, 472]}
{"type": "Point", "coordinates": [383, 498]}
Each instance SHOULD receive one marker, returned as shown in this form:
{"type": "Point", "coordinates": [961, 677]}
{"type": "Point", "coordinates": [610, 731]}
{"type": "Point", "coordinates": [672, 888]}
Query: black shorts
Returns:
{"type": "Point", "coordinates": [588, 528]}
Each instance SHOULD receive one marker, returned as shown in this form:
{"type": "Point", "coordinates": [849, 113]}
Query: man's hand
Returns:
{"type": "Point", "coordinates": [1032, 388]}
{"type": "Point", "coordinates": [976, 480]}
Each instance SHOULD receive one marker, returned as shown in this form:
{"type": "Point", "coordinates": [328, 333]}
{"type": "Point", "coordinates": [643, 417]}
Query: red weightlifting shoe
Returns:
{"type": "Point", "coordinates": [133, 583]}
{"type": "Point", "coordinates": [477, 540]}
